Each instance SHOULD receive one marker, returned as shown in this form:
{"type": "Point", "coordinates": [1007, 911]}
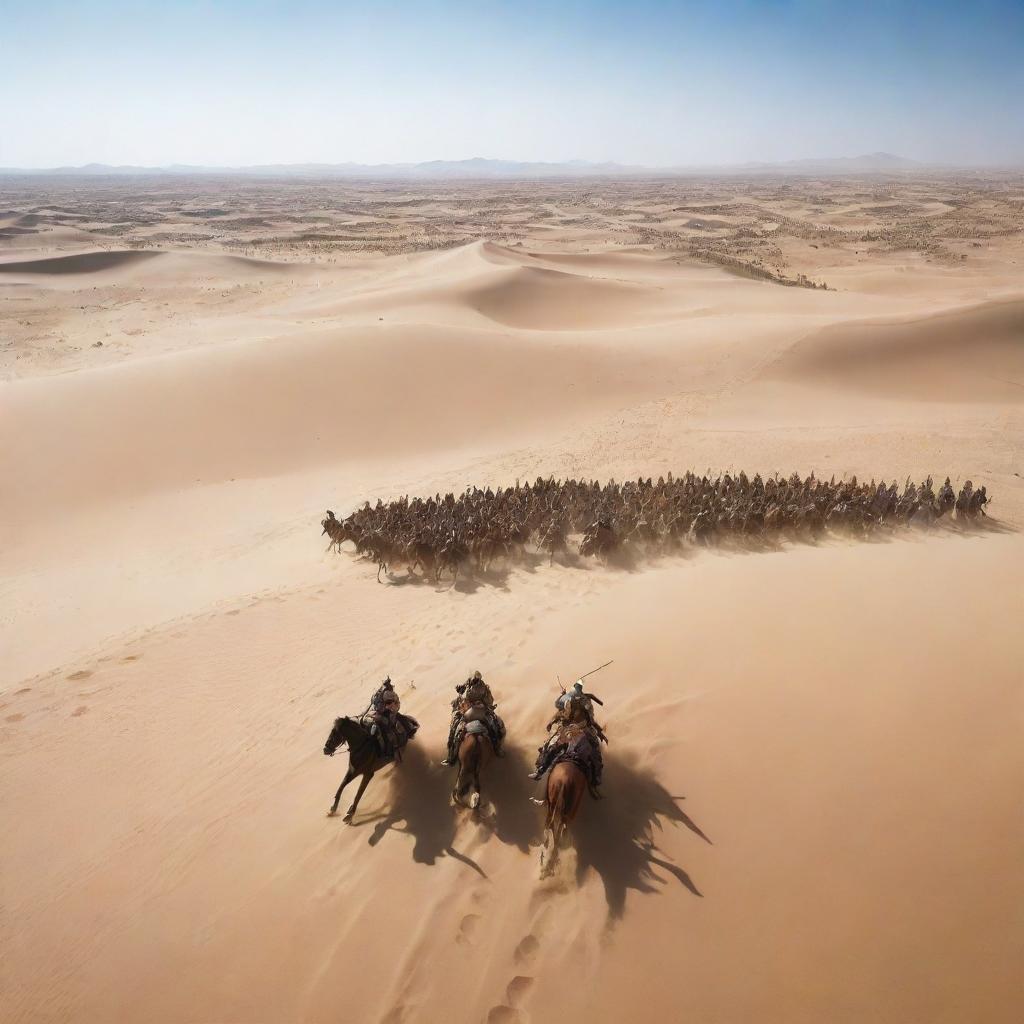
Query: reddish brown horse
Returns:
{"type": "Point", "coordinates": [475, 751]}
{"type": "Point", "coordinates": [566, 787]}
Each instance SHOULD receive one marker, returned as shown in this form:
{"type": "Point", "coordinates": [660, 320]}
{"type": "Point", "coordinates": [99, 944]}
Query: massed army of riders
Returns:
{"type": "Point", "coordinates": [481, 527]}
{"type": "Point", "coordinates": [572, 734]}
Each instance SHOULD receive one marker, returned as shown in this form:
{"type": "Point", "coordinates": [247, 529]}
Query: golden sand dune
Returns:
{"type": "Point", "coordinates": [555, 300]}
{"type": "Point", "coordinates": [972, 355]}
{"type": "Point", "coordinates": [813, 780]}
{"type": "Point", "coordinates": [489, 284]}
{"type": "Point", "coordinates": [171, 264]}
{"type": "Point", "coordinates": [79, 263]}
{"type": "Point", "coordinates": [248, 410]}
{"type": "Point", "coordinates": [815, 755]}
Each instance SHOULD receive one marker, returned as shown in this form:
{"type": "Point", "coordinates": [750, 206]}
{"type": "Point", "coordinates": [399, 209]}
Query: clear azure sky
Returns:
{"type": "Point", "coordinates": [230, 82]}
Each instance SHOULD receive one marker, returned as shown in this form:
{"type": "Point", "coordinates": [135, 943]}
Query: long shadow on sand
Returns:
{"type": "Point", "coordinates": [418, 806]}
{"type": "Point", "coordinates": [616, 836]}
{"type": "Point", "coordinates": [515, 821]}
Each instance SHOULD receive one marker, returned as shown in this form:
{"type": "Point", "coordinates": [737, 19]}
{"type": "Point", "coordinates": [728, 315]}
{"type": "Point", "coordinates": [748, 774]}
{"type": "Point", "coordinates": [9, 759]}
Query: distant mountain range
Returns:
{"type": "Point", "coordinates": [480, 168]}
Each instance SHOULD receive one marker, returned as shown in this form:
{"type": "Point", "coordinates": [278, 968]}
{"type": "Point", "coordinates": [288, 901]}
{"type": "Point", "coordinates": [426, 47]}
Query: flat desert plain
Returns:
{"type": "Point", "coordinates": [812, 805]}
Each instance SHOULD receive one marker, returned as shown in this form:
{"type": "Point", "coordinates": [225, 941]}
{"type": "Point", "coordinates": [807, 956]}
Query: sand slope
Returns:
{"type": "Point", "coordinates": [80, 263]}
{"type": "Point", "coordinates": [973, 355]}
{"type": "Point", "coordinates": [815, 768]}
{"type": "Point", "coordinates": [853, 873]}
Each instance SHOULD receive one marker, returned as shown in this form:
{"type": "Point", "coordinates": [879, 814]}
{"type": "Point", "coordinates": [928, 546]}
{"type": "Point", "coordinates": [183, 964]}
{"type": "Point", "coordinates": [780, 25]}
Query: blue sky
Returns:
{"type": "Point", "coordinates": [648, 82]}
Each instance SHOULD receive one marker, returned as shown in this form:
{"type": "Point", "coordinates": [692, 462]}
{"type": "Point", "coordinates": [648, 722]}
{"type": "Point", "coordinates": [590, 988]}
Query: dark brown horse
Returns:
{"type": "Point", "coordinates": [364, 758]}
{"type": "Point", "coordinates": [566, 788]}
{"type": "Point", "coordinates": [475, 751]}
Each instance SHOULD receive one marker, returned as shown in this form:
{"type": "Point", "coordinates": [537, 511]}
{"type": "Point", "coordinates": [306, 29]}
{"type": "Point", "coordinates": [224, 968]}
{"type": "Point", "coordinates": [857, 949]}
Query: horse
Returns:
{"type": "Point", "coordinates": [364, 758]}
{"type": "Point", "coordinates": [475, 751]}
{"type": "Point", "coordinates": [566, 786]}
{"type": "Point", "coordinates": [338, 532]}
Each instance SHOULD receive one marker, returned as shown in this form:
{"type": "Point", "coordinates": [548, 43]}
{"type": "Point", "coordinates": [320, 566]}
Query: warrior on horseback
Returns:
{"type": "Point", "coordinates": [389, 727]}
{"type": "Point", "coordinates": [473, 702]}
{"type": "Point", "coordinates": [374, 739]}
{"type": "Point", "coordinates": [577, 738]}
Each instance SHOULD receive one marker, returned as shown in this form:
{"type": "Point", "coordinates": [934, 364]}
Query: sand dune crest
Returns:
{"type": "Point", "coordinates": [971, 355]}
{"type": "Point", "coordinates": [80, 263]}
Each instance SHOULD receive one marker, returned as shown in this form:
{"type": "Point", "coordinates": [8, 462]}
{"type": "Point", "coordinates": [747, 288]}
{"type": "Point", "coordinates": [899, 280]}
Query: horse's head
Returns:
{"type": "Point", "coordinates": [336, 737]}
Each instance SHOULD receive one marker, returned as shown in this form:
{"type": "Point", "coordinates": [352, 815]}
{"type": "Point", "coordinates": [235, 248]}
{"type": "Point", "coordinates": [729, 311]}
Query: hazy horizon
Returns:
{"type": "Point", "coordinates": [876, 160]}
{"type": "Point", "coordinates": [652, 83]}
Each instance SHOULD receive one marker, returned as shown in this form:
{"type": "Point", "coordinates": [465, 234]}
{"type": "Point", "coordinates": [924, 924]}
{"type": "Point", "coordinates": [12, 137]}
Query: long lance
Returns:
{"type": "Point", "coordinates": [598, 669]}
{"type": "Point", "coordinates": [594, 697]}
{"type": "Point", "coordinates": [584, 676]}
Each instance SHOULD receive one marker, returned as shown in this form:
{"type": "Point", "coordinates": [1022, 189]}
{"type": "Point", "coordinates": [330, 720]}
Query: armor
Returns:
{"type": "Point", "coordinates": [577, 738]}
{"type": "Point", "coordinates": [388, 726]}
{"type": "Point", "coordinates": [474, 702]}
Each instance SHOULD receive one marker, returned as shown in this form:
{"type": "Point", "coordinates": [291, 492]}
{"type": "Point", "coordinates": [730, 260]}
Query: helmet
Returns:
{"type": "Point", "coordinates": [477, 675]}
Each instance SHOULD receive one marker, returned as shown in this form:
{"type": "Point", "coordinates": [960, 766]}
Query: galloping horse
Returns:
{"type": "Point", "coordinates": [364, 758]}
{"type": "Point", "coordinates": [566, 787]}
{"type": "Point", "coordinates": [475, 751]}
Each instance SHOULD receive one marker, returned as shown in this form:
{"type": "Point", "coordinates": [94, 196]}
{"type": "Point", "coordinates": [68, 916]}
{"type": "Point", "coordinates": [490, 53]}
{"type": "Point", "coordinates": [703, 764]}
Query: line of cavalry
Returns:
{"type": "Point", "coordinates": [479, 527]}
{"type": "Point", "coordinates": [570, 755]}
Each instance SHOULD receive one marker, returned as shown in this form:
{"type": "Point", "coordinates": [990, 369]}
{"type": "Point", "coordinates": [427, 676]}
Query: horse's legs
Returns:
{"type": "Point", "coordinates": [548, 853]}
{"type": "Point", "coordinates": [362, 789]}
{"type": "Point", "coordinates": [477, 796]}
{"type": "Point", "coordinates": [349, 776]}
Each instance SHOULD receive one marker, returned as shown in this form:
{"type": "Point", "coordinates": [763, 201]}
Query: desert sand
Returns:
{"type": "Point", "coordinates": [812, 797]}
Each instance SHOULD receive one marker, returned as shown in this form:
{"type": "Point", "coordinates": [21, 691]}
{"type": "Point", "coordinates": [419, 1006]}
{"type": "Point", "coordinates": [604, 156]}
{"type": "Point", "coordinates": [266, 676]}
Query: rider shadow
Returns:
{"type": "Point", "coordinates": [982, 526]}
{"type": "Point", "coordinates": [515, 821]}
{"type": "Point", "coordinates": [496, 578]}
{"type": "Point", "coordinates": [616, 837]}
{"type": "Point", "coordinates": [418, 806]}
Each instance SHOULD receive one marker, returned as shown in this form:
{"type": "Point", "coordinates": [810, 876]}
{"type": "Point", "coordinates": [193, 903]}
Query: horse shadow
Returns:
{"type": "Point", "coordinates": [418, 806]}
{"type": "Point", "coordinates": [515, 821]}
{"type": "Point", "coordinates": [616, 837]}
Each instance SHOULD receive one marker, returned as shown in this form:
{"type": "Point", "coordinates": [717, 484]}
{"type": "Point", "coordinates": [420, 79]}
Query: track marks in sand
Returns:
{"type": "Point", "coordinates": [468, 927]}
{"type": "Point", "coordinates": [527, 953]}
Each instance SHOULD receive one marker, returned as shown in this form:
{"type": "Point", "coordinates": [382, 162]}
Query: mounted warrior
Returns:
{"type": "Point", "coordinates": [474, 703]}
{"type": "Point", "coordinates": [374, 739]}
{"type": "Point", "coordinates": [577, 737]}
{"type": "Point", "coordinates": [388, 726]}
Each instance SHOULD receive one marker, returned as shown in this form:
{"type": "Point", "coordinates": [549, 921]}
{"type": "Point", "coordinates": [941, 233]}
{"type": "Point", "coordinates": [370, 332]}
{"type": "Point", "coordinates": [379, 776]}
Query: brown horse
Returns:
{"type": "Point", "coordinates": [566, 787]}
{"type": "Point", "coordinates": [364, 758]}
{"type": "Point", "coordinates": [475, 751]}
